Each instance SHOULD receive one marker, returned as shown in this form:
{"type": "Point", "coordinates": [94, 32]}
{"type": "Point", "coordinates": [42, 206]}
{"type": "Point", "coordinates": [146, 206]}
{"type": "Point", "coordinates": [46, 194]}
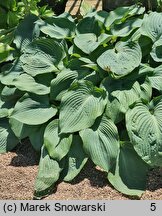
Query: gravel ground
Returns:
{"type": "Point", "coordinates": [19, 169]}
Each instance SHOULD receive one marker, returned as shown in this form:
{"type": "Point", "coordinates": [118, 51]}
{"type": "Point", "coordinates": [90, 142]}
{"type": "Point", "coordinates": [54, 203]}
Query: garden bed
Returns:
{"type": "Point", "coordinates": [19, 169]}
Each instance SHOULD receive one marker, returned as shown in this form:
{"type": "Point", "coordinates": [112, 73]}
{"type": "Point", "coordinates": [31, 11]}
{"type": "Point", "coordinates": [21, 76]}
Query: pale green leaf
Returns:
{"type": "Point", "coordinates": [156, 52]}
{"type": "Point", "coordinates": [118, 15]}
{"type": "Point", "coordinates": [11, 94]}
{"type": "Point", "coordinates": [156, 78]}
{"type": "Point", "coordinates": [25, 82]}
{"type": "Point", "coordinates": [14, 70]}
{"type": "Point", "coordinates": [6, 108]}
{"type": "Point", "coordinates": [86, 42]}
{"type": "Point", "coordinates": [21, 130]}
{"type": "Point", "coordinates": [85, 8]}
{"type": "Point", "coordinates": [146, 90]}
{"type": "Point", "coordinates": [33, 110]}
{"type": "Point", "coordinates": [121, 60]}
{"type": "Point", "coordinates": [152, 26]}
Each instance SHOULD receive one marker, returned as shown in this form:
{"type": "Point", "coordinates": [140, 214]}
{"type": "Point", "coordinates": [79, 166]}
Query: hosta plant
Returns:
{"type": "Point", "coordinates": [85, 89]}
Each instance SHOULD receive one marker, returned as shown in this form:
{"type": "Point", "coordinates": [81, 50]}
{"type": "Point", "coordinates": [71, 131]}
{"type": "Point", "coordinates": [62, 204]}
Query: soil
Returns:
{"type": "Point", "coordinates": [19, 169]}
{"type": "Point", "coordinates": [73, 6]}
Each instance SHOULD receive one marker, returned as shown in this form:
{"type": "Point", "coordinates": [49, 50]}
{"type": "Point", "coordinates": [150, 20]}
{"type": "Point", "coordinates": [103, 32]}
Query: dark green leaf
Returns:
{"type": "Point", "coordinates": [48, 174]}
{"type": "Point", "coordinates": [57, 146]}
{"type": "Point", "coordinates": [130, 173]}
{"type": "Point", "coordinates": [75, 159]}
{"type": "Point", "coordinates": [101, 142]}
{"type": "Point", "coordinates": [7, 138]}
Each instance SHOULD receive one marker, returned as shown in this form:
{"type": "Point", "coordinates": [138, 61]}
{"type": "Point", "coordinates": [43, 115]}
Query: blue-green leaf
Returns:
{"type": "Point", "coordinates": [57, 146]}
{"type": "Point", "coordinates": [101, 142]}
{"type": "Point", "coordinates": [48, 174]}
{"type": "Point", "coordinates": [33, 110]}
{"type": "Point", "coordinates": [75, 159]}
{"type": "Point", "coordinates": [144, 125]}
{"type": "Point", "coordinates": [7, 138]}
{"type": "Point", "coordinates": [42, 56]}
{"type": "Point", "coordinates": [81, 106]}
{"type": "Point", "coordinates": [121, 60]}
{"type": "Point", "coordinates": [130, 173]}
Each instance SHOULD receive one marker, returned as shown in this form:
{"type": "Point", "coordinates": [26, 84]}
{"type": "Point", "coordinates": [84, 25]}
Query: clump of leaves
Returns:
{"type": "Point", "coordinates": [85, 89]}
{"type": "Point", "coordinates": [12, 11]}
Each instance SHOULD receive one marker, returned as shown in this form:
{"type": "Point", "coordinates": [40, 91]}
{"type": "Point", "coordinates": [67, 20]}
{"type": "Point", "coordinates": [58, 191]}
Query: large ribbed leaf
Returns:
{"type": "Point", "coordinates": [156, 78]}
{"type": "Point", "coordinates": [21, 130]}
{"type": "Point", "coordinates": [81, 106]}
{"type": "Point", "coordinates": [36, 137]}
{"type": "Point", "coordinates": [26, 31]}
{"type": "Point", "coordinates": [8, 75]}
{"type": "Point", "coordinates": [9, 97]}
{"type": "Point", "coordinates": [4, 112]}
{"type": "Point", "coordinates": [57, 146]}
{"type": "Point", "coordinates": [114, 109]}
{"type": "Point", "coordinates": [130, 173]}
{"type": "Point", "coordinates": [75, 159]}
{"type": "Point", "coordinates": [125, 28]}
{"type": "Point", "coordinates": [34, 132]}
{"type": "Point", "coordinates": [88, 25]}
{"type": "Point", "coordinates": [6, 108]}
{"type": "Point", "coordinates": [61, 83]}
{"type": "Point", "coordinates": [58, 28]}
{"type": "Point", "coordinates": [152, 26]}
{"type": "Point", "coordinates": [86, 42]}
{"type": "Point", "coordinates": [121, 60]}
{"type": "Point", "coordinates": [33, 110]}
{"type": "Point", "coordinates": [119, 14]}
{"type": "Point", "coordinates": [126, 92]}
{"type": "Point", "coordinates": [101, 142]}
{"type": "Point", "coordinates": [144, 125]}
{"type": "Point", "coordinates": [27, 83]}
{"type": "Point", "coordinates": [146, 91]}
{"type": "Point", "coordinates": [48, 174]}
{"type": "Point", "coordinates": [11, 94]}
{"type": "Point", "coordinates": [42, 56]}
{"type": "Point", "coordinates": [86, 8]}
{"type": "Point", "coordinates": [7, 138]}
{"type": "Point", "coordinates": [156, 52]}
